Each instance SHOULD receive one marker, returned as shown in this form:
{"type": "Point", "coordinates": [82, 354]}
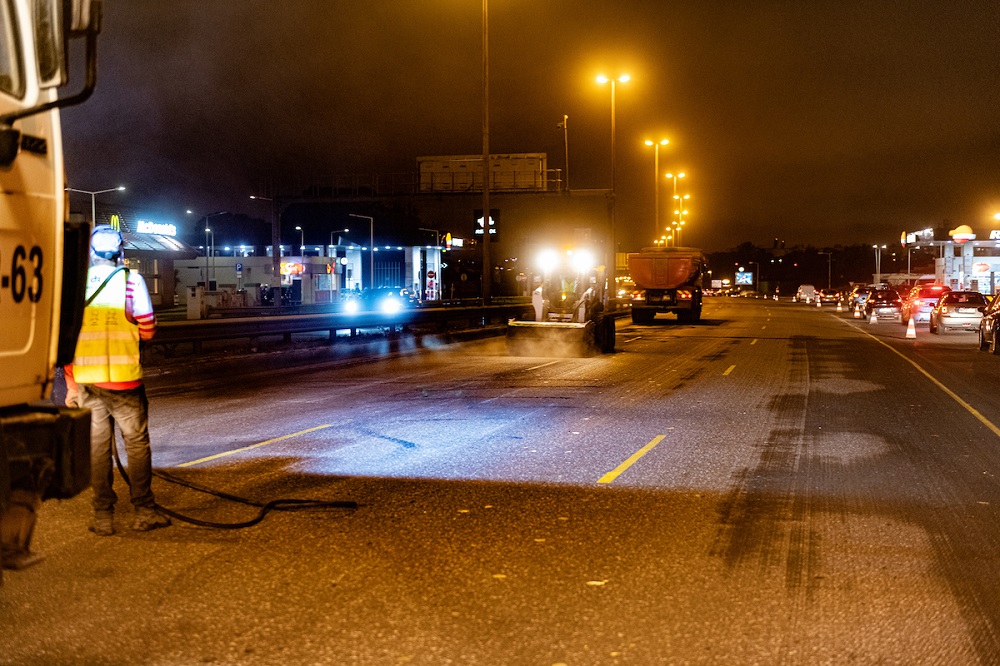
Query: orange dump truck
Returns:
{"type": "Point", "coordinates": [667, 279]}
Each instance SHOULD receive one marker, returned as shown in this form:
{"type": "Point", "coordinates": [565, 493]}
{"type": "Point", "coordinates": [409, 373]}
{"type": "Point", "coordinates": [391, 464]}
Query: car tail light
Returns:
{"type": "Point", "coordinates": [638, 295]}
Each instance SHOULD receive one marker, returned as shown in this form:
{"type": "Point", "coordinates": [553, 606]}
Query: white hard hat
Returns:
{"type": "Point", "coordinates": [106, 242]}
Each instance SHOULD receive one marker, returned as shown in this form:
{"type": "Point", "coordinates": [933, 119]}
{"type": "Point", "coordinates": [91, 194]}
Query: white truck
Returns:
{"type": "Point", "coordinates": [44, 449]}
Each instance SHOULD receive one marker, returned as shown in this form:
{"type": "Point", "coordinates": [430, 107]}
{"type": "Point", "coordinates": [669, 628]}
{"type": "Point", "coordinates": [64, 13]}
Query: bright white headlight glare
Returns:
{"type": "Point", "coordinates": [582, 261]}
{"type": "Point", "coordinates": [390, 306]}
{"type": "Point", "coordinates": [351, 307]}
{"type": "Point", "coordinates": [547, 261]}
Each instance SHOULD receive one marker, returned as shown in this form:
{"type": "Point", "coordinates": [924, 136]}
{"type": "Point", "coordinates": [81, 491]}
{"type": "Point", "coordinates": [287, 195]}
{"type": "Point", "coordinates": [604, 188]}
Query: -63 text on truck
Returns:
{"type": "Point", "coordinates": [44, 450]}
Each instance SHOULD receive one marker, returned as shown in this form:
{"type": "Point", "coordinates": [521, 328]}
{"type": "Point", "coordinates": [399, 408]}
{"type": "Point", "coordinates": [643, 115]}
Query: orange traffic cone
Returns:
{"type": "Point", "coordinates": [873, 319]}
{"type": "Point", "coordinates": [911, 329]}
{"type": "Point", "coordinates": [840, 306]}
{"type": "Point", "coordinates": [857, 312]}
{"type": "Point", "coordinates": [819, 303]}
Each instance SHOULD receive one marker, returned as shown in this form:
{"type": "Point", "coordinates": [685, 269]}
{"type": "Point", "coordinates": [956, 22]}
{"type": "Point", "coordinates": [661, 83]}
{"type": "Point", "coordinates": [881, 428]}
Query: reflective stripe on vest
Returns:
{"type": "Point", "coordinates": [108, 347]}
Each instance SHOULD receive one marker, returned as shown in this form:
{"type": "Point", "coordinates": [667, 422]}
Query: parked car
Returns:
{"type": "Point", "coordinates": [988, 326]}
{"type": "Point", "coordinates": [830, 296]}
{"type": "Point", "coordinates": [958, 310]}
{"type": "Point", "coordinates": [883, 304]}
{"type": "Point", "coordinates": [806, 294]}
{"type": "Point", "coordinates": [920, 301]}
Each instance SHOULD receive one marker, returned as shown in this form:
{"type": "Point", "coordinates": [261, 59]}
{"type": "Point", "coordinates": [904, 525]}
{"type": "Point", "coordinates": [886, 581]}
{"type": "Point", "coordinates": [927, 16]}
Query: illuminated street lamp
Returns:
{"type": "Point", "coordinates": [275, 250]}
{"type": "Point", "coordinates": [336, 231]}
{"type": "Point", "coordinates": [680, 212]}
{"type": "Point", "coordinates": [208, 231]}
{"type": "Point", "coordinates": [656, 179]}
{"type": "Point", "coordinates": [602, 80]}
{"type": "Point", "coordinates": [207, 276]}
{"type": "Point", "coordinates": [371, 242]}
{"type": "Point", "coordinates": [93, 199]}
{"type": "Point", "coordinates": [878, 263]}
{"type": "Point", "coordinates": [302, 241]}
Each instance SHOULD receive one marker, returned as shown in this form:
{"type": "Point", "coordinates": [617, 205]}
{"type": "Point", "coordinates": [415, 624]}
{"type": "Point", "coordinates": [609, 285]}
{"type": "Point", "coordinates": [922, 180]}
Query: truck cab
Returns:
{"type": "Point", "coordinates": [44, 449]}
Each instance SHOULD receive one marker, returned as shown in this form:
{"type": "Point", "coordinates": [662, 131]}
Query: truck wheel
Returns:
{"type": "Point", "coordinates": [685, 316]}
{"type": "Point", "coordinates": [607, 337]}
{"type": "Point", "coordinates": [696, 313]}
{"type": "Point", "coordinates": [642, 316]}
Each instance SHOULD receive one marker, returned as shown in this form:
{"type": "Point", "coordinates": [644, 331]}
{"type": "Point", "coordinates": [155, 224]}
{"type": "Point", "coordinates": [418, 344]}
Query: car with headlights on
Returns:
{"type": "Point", "coordinates": [883, 304]}
{"type": "Point", "coordinates": [958, 310]}
{"type": "Point", "coordinates": [806, 293]}
{"type": "Point", "coordinates": [920, 301]}
{"type": "Point", "coordinates": [384, 299]}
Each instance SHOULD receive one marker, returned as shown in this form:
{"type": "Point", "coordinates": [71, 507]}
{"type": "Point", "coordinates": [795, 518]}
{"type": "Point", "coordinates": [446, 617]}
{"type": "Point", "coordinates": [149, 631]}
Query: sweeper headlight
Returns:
{"type": "Point", "coordinates": [581, 261]}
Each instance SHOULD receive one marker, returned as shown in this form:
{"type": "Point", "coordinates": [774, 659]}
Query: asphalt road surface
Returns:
{"type": "Point", "coordinates": [779, 484]}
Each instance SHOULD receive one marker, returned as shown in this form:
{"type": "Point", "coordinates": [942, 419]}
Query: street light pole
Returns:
{"type": "Point", "coordinates": [275, 251]}
{"type": "Point", "coordinates": [829, 268]}
{"type": "Point", "coordinates": [93, 199]}
{"type": "Point", "coordinates": [487, 276]}
{"type": "Point", "coordinates": [302, 241]}
{"type": "Point", "coordinates": [564, 125]}
{"type": "Point", "coordinates": [371, 244]}
{"type": "Point", "coordinates": [614, 248]}
{"type": "Point", "coordinates": [680, 215]}
{"type": "Point", "coordinates": [656, 180]}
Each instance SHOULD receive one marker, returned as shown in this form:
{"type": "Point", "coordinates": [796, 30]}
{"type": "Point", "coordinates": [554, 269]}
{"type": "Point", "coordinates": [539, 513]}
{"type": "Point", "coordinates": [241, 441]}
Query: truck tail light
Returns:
{"type": "Point", "coordinates": [683, 295]}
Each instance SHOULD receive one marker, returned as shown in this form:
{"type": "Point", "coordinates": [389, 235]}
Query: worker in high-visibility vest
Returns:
{"type": "Point", "coordinates": [107, 370]}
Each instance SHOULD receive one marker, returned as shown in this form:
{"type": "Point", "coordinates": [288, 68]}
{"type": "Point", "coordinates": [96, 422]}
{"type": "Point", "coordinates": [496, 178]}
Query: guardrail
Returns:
{"type": "Point", "coordinates": [195, 332]}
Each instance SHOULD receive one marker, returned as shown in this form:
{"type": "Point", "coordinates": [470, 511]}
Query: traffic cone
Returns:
{"type": "Point", "coordinates": [911, 329]}
{"type": "Point", "coordinates": [819, 303]}
{"type": "Point", "coordinates": [873, 319]}
{"type": "Point", "coordinates": [840, 306]}
{"type": "Point", "coordinates": [857, 312]}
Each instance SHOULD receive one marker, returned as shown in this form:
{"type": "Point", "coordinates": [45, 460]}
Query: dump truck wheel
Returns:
{"type": "Point", "coordinates": [642, 316]}
{"type": "Point", "coordinates": [606, 334]}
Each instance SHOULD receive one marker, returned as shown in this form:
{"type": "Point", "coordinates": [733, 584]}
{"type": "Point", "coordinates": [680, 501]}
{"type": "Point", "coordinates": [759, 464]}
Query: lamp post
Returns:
{"type": "Point", "coordinates": [878, 263]}
{"type": "Point", "coordinates": [371, 236]}
{"type": "Point", "coordinates": [829, 268]}
{"type": "Point", "coordinates": [207, 255]}
{"type": "Point", "coordinates": [275, 251]}
{"type": "Point", "coordinates": [302, 241]}
{"type": "Point", "coordinates": [614, 249]}
{"type": "Point", "coordinates": [564, 126]}
{"type": "Point", "coordinates": [93, 199]}
{"type": "Point", "coordinates": [680, 212]}
{"type": "Point", "coordinates": [656, 180]}
{"type": "Point", "coordinates": [487, 276]}
{"type": "Point", "coordinates": [207, 231]}
{"type": "Point", "coordinates": [756, 275]}
{"type": "Point", "coordinates": [335, 231]}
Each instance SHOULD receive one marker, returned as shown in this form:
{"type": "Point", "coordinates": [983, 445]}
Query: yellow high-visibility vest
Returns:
{"type": "Point", "coordinates": [108, 347]}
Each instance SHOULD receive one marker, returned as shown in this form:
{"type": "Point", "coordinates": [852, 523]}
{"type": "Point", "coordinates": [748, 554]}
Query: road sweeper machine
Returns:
{"type": "Point", "coordinates": [568, 310]}
{"type": "Point", "coordinates": [44, 449]}
{"type": "Point", "coordinates": [667, 279]}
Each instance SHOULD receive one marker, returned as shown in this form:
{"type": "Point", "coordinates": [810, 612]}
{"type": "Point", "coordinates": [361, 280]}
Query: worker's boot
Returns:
{"type": "Point", "coordinates": [147, 518]}
{"type": "Point", "coordinates": [104, 523]}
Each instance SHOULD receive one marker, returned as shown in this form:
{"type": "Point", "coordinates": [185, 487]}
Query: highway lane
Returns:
{"type": "Point", "coordinates": [774, 485]}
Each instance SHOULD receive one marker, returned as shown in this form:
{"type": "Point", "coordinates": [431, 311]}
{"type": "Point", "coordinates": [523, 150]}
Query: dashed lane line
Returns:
{"type": "Point", "coordinates": [632, 459]}
{"type": "Point", "coordinates": [252, 446]}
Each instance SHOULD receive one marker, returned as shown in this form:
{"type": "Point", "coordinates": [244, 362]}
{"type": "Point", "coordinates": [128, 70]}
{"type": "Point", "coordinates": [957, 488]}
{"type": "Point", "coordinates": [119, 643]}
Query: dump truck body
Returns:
{"type": "Point", "coordinates": [667, 279]}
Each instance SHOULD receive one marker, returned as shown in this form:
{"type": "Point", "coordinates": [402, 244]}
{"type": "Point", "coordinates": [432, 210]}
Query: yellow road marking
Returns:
{"type": "Point", "coordinates": [541, 366]}
{"type": "Point", "coordinates": [617, 471]}
{"type": "Point", "coordinates": [728, 370]}
{"type": "Point", "coordinates": [252, 446]}
{"type": "Point", "coordinates": [754, 341]}
{"type": "Point", "coordinates": [954, 396]}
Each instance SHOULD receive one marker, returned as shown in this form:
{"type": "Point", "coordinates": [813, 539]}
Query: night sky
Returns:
{"type": "Point", "coordinates": [820, 123]}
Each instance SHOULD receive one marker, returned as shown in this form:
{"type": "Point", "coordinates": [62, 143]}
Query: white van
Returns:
{"type": "Point", "coordinates": [806, 293]}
